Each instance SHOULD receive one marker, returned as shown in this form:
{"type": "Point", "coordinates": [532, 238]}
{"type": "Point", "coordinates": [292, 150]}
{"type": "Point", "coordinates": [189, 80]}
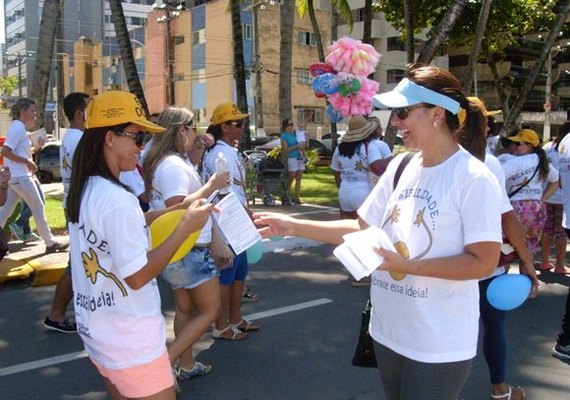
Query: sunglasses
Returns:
{"type": "Point", "coordinates": [237, 124]}
{"type": "Point", "coordinates": [138, 137]}
{"type": "Point", "coordinates": [403, 112]}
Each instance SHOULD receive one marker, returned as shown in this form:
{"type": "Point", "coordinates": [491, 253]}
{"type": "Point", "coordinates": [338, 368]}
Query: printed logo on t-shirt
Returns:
{"type": "Point", "coordinates": [93, 269]}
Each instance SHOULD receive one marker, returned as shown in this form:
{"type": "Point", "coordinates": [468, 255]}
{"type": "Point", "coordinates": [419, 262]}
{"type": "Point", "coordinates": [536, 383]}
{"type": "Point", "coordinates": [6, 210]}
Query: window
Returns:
{"type": "Point", "coordinates": [179, 39]}
{"type": "Point", "coordinates": [247, 31]}
{"type": "Point", "coordinates": [307, 38]}
{"type": "Point", "coordinates": [395, 75]}
{"type": "Point", "coordinates": [395, 44]}
{"type": "Point", "coordinates": [198, 37]}
{"type": "Point", "coordinates": [304, 77]}
{"type": "Point", "coordinates": [311, 115]}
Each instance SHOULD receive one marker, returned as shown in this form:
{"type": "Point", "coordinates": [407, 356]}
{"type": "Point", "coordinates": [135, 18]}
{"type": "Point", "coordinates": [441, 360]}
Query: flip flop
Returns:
{"type": "Point", "coordinates": [246, 326]}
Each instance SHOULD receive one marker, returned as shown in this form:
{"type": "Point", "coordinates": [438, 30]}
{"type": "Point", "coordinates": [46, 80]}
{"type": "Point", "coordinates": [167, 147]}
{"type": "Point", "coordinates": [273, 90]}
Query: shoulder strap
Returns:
{"type": "Point", "coordinates": [526, 183]}
{"type": "Point", "coordinates": [402, 166]}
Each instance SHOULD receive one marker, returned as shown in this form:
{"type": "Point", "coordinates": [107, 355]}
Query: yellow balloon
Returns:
{"type": "Point", "coordinates": [162, 227]}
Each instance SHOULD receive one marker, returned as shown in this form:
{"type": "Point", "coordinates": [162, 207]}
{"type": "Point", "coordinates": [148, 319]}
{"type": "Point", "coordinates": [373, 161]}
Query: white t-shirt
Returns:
{"type": "Point", "coordinates": [238, 176]}
{"type": "Point", "coordinates": [552, 155]}
{"type": "Point", "coordinates": [301, 136]}
{"type": "Point", "coordinates": [175, 176]}
{"type": "Point", "coordinates": [519, 170]}
{"type": "Point", "coordinates": [354, 170]}
{"type": "Point", "coordinates": [18, 141]}
{"type": "Point", "coordinates": [434, 212]}
{"type": "Point", "coordinates": [133, 180]}
{"type": "Point", "coordinates": [120, 327]}
{"type": "Point", "coordinates": [496, 168]}
{"type": "Point", "coordinates": [564, 168]}
{"type": "Point", "coordinates": [66, 152]}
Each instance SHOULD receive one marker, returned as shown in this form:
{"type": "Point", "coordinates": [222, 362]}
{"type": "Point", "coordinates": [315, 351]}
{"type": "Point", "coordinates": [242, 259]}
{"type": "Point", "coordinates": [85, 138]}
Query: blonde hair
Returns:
{"type": "Point", "coordinates": [21, 104]}
{"type": "Point", "coordinates": [169, 142]}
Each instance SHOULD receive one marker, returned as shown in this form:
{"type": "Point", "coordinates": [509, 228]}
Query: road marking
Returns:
{"type": "Point", "coordinates": [48, 362]}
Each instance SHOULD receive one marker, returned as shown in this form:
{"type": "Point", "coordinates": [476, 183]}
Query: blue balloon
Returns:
{"type": "Point", "coordinates": [254, 253]}
{"type": "Point", "coordinates": [333, 114]}
{"type": "Point", "coordinates": [315, 85]}
{"type": "Point", "coordinates": [509, 291]}
{"type": "Point", "coordinates": [328, 83]}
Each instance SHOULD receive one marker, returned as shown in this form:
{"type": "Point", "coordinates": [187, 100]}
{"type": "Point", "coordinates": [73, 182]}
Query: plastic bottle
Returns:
{"type": "Point", "coordinates": [222, 166]}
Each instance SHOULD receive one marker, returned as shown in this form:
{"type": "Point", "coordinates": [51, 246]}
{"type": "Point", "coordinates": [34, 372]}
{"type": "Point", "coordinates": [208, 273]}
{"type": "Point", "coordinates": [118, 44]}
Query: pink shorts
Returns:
{"type": "Point", "coordinates": [142, 380]}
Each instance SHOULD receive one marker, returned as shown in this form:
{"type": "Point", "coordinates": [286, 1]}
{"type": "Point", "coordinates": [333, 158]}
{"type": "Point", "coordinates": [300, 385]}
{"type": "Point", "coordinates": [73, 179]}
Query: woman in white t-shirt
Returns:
{"type": "Point", "coordinates": [444, 218]}
{"type": "Point", "coordinates": [116, 297]}
{"type": "Point", "coordinates": [525, 175]}
{"type": "Point", "coordinates": [18, 157]}
{"type": "Point", "coordinates": [169, 178]}
{"type": "Point", "coordinates": [357, 163]}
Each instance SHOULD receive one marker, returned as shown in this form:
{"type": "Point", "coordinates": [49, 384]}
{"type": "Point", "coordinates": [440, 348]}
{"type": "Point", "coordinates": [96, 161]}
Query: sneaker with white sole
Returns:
{"type": "Point", "coordinates": [198, 369]}
{"type": "Point", "coordinates": [17, 230]}
{"type": "Point", "coordinates": [561, 352]}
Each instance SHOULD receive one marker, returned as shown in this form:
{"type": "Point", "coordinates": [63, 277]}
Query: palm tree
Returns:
{"type": "Point", "coordinates": [440, 33]}
{"type": "Point", "coordinates": [410, 38]}
{"type": "Point", "coordinates": [285, 58]}
{"type": "Point", "coordinates": [51, 13]}
{"type": "Point", "coordinates": [562, 12]}
{"type": "Point", "coordinates": [124, 39]}
{"type": "Point", "coordinates": [239, 67]}
{"type": "Point", "coordinates": [476, 49]}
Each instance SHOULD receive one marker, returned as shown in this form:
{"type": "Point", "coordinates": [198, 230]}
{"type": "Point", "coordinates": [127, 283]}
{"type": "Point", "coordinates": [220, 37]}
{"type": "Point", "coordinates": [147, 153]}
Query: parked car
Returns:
{"type": "Point", "coordinates": [324, 153]}
{"type": "Point", "coordinates": [48, 163]}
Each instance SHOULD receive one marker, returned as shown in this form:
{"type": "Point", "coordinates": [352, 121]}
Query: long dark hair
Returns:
{"type": "Point", "coordinates": [89, 160]}
{"type": "Point", "coordinates": [543, 163]}
{"type": "Point", "coordinates": [564, 130]}
{"type": "Point", "coordinates": [444, 82]}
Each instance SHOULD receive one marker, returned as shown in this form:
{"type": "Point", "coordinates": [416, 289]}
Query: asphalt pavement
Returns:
{"type": "Point", "coordinates": [310, 315]}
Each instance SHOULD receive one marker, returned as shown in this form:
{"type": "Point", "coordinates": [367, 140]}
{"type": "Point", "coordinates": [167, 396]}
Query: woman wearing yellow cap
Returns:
{"type": "Point", "coordinates": [116, 298]}
{"type": "Point", "coordinates": [525, 175]}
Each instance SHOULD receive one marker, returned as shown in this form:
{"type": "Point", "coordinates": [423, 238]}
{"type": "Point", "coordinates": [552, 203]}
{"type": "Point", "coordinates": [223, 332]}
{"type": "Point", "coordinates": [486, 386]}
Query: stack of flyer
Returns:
{"type": "Point", "coordinates": [357, 252]}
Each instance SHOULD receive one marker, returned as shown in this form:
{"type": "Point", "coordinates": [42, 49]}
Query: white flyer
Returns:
{"type": "Point", "coordinates": [357, 253]}
{"type": "Point", "coordinates": [235, 225]}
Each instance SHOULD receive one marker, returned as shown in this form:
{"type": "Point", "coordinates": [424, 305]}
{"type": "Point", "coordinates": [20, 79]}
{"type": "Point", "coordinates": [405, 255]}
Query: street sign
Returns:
{"type": "Point", "coordinates": [50, 106]}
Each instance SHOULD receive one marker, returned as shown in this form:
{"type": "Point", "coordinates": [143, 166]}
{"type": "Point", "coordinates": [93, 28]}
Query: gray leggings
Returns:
{"type": "Point", "coordinates": [405, 379]}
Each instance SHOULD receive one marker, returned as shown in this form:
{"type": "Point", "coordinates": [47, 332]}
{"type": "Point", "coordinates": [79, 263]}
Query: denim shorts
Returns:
{"type": "Point", "coordinates": [192, 270]}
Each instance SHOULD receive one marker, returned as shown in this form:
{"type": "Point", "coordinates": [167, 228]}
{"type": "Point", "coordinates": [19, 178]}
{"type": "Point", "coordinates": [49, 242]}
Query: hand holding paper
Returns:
{"type": "Point", "coordinates": [357, 252]}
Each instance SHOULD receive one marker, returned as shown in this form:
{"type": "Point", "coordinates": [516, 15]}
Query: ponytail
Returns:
{"type": "Point", "coordinates": [473, 135]}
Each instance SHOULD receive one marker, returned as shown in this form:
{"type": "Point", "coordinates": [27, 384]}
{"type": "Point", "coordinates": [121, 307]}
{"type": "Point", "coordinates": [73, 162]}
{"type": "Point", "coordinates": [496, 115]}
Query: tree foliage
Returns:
{"type": "Point", "coordinates": [8, 84]}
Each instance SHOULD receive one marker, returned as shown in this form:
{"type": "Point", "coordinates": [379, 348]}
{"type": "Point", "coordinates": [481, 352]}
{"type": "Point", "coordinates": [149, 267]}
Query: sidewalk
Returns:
{"type": "Point", "coordinates": [28, 265]}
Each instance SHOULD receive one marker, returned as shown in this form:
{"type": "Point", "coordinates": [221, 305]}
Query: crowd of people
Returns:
{"type": "Point", "coordinates": [448, 207]}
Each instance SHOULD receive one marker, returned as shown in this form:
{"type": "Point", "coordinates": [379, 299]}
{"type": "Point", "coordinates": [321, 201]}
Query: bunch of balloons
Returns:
{"type": "Point", "coordinates": [343, 78]}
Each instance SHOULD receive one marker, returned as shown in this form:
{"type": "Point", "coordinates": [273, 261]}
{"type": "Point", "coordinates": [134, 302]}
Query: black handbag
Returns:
{"type": "Point", "coordinates": [364, 354]}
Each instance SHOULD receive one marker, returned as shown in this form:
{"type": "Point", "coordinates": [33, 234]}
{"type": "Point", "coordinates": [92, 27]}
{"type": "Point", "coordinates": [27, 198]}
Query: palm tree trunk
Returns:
{"type": "Point", "coordinates": [410, 37]}
{"type": "Point", "coordinates": [563, 8]}
{"type": "Point", "coordinates": [367, 22]}
{"type": "Point", "coordinates": [38, 89]}
{"type": "Point", "coordinates": [127, 56]}
{"type": "Point", "coordinates": [285, 56]}
{"type": "Point", "coordinates": [476, 49]}
{"type": "Point", "coordinates": [440, 33]}
{"type": "Point", "coordinates": [239, 69]}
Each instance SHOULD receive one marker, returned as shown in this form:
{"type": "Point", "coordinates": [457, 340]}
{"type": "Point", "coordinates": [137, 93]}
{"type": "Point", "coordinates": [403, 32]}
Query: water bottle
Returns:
{"type": "Point", "coordinates": [221, 167]}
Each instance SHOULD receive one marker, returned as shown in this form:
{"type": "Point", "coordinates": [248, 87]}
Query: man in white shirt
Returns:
{"type": "Point", "coordinates": [74, 106]}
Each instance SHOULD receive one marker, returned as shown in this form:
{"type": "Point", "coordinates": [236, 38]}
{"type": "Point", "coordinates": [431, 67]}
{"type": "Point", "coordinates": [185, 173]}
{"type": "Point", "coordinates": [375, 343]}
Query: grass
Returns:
{"type": "Point", "coordinates": [54, 216]}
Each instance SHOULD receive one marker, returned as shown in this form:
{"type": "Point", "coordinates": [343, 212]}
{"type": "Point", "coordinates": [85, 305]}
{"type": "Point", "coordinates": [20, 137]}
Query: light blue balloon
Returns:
{"type": "Point", "coordinates": [254, 253]}
{"type": "Point", "coordinates": [328, 83]}
{"type": "Point", "coordinates": [333, 114]}
{"type": "Point", "coordinates": [275, 238]}
{"type": "Point", "coordinates": [509, 291]}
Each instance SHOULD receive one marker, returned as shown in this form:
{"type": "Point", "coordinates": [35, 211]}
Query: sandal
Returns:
{"type": "Point", "coordinates": [221, 334]}
{"type": "Point", "coordinates": [545, 267]}
{"type": "Point", "coordinates": [249, 296]}
{"type": "Point", "coordinates": [562, 270]}
{"type": "Point", "coordinates": [246, 326]}
{"type": "Point", "coordinates": [56, 248]}
{"type": "Point", "coordinates": [517, 393]}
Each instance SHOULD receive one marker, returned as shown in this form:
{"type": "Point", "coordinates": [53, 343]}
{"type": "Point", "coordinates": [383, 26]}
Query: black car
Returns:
{"type": "Point", "coordinates": [48, 163]}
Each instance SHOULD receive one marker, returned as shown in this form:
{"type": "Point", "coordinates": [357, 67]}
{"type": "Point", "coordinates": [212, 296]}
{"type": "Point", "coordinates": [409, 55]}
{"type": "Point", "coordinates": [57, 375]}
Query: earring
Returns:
{"type": "Point", "coordinates": [435, 124]}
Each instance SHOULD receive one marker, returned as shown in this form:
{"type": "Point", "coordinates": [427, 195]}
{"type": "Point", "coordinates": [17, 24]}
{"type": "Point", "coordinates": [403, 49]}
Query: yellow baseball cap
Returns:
{"type": "Point", "coordinates": [526, 136]}
{"type": "Point", "coordinates": [227, 112]}
{"type": "Point", "coordinates": [480, 105]}
{"type": "Point", "coordinates": [116, 107]}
